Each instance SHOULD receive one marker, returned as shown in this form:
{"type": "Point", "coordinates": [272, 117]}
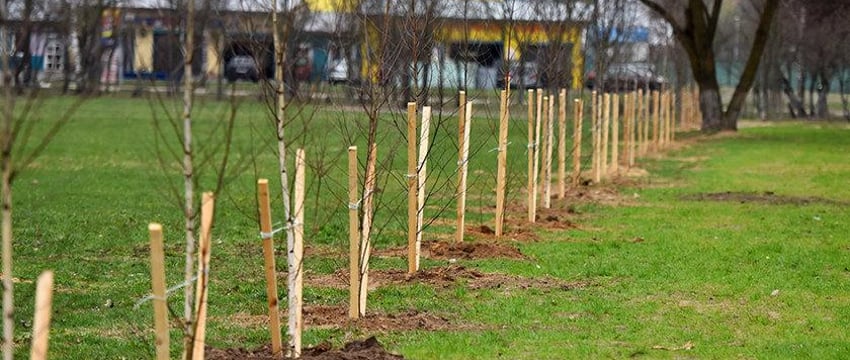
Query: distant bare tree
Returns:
{"type": "Point", "coordinates": [695, 26]}
{"type": "Point", "coordinates": [813, 35]}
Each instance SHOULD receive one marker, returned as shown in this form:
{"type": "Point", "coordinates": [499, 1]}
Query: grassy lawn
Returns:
{"type": "Point", "coordinates": [671, 271]}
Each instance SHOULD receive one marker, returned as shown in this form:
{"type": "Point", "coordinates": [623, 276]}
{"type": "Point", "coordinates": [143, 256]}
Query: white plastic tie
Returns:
{"type": "Point", "coordinates": [167, 292]}
{"type": "Point", "coordinates": [500, 148]}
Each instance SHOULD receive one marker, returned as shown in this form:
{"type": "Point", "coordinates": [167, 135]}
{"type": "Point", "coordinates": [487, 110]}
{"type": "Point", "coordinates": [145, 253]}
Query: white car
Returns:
{"type": "Point", "coordinates": [338, 71]}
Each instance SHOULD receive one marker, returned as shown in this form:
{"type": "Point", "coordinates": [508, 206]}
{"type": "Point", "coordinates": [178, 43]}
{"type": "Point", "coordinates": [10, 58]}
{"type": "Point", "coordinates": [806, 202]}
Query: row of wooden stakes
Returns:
{"type": "Point", "coordinates": [640, 113]}
{"type": "Point", "coordinates": [636, 113]}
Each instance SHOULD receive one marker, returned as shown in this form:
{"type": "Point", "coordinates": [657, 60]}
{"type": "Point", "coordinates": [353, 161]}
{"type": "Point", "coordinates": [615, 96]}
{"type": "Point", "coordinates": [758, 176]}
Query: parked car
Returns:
{"type": "Point", "coordinates": [526, 74]}
{"type": "Point", "coordinates": [242, 67]}
{"type": "Point", "coordinates": [627, 77]}
{"type": "Point", "coordinates": [338, 71]}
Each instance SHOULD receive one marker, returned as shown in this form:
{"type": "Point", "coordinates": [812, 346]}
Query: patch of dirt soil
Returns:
{"type": "Point", "coordinates": [325, 316]}
{"type": "Point", "coordinates": [471, 250]}
{"type": "Point", "coordinates": [465, 250]}
{"type": "Point", "coordinates": [556, 219]}
{"type": "Point", "coordinates": [767, 197]}
{"type": "Point", "coordinates": [369, 349]}
{"type": "Point", "coordinates": [512, 233]}
{"type": "Point", "coordinates": [606, 195]}
{"type": "Point", "coordinates": [446, 277]}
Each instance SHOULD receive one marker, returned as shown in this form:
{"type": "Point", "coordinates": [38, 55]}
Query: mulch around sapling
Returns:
{"type": "Point", "coordinates": [369, 349]}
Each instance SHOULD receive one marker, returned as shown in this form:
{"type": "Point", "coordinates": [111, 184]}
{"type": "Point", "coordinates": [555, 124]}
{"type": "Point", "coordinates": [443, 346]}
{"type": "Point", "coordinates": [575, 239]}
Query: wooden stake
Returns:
{"type": "Point", "coordinates": [639, 123]}
{"type": "Point", "coordinates": [644, 102]}
{"type": "Point", "coordinates": [421, 176]}
{"type": "Point", "coordinates": [463, 164]}
{"type": "Point", "coordinates": [296, 263]}
{"type": "Point", "coordinates": [668, 117]}
{"type": "Point", "coordinates": [673, 125]}
{"type": "Point", "coordinates": [270, 268]}
{"type": "Point", "coordinates": [412, 183]}
{"type": "Point", "coordinates": [537, 128]}
{"type": "Point", "coordinates": [353, 236]}
{"type": "Point", "coordinates": [596, 127]}
{"type": "Point", "coordinates": [626, 151]}
{"type": "Point", "coordinates": [550, 144]}
{"type": "Point", "coordinates": [42, 312]}
{"type": "Point", "coordinates": [546, 162]}
{"type": "Point", "coordinates": [697, 109]}
{"type": "Point", "coordinates": [577, 129]}
{"type": "Point", "coordinates": [502, 164]}
{"type": "Point", "coordinates": [662, 130]}
{"type": "Point", "coordinates": [202, 284]}
{"type": "Point", "coordinates": [562, 144]}
{"type": "Point", "coordinates": [370, 183]}
{"type": "Point", "coordinates": [615, 133]}
{"type": "Point", "coordinates": [633, 108]}
{"type": "Point", "coordinates": [656, 119]}
{"type": "Point", "coordinates": [606, 127]}
{"type": "Point", "coordinates": [665, 115]}
{"type": "Point", "coordinates": [531, 149]}
{"type": "Point", "coordinates": [686, 109]}
{"type": "Point", "coordinates": [160, 309]}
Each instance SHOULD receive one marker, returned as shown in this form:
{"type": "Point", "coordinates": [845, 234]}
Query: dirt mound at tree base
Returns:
{"type": "Point", "coordinates": [369, 349]}
{"type": "Point", "coordinates": [467, 250]}
{"type": "Point", "coordinates": [471, 250]}
{"type": "Point", "coordinates": [333, 317]}
{"type": "Point", "coordinates": [445, 277]}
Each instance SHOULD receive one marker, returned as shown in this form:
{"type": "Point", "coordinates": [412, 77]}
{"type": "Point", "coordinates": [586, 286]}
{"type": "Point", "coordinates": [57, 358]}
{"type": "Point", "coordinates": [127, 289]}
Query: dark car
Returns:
{"type": "Point", "coordinates": [242, 67]}
{"type": "Point", "coordinates": [627, 77]}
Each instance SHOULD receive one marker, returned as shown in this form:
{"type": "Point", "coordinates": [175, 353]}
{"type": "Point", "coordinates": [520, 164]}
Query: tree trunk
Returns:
{"type": "Point", "coordinates": [6, 82]}
{"type": "Point", "coordinates": [845, 104]}
{"type": "Point", "coordinates": [711, 107]}
{"type": "Point", "coordinates": [280, 50]}
{"type": "Point", "coordinates": [813, 80]}
{"type": "Point", "coordinates": [795, 105]}
{"type": "Point", "coordinates": [823, 93]}
{"type": "Point", "coordinates": [8, 297]}
{"type": "Point", "coordinates": [188, 180]}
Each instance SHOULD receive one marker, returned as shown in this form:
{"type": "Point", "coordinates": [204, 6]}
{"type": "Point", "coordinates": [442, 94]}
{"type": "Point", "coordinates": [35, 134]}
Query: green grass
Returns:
{"type": "Point", "coordinates": [703, 274]}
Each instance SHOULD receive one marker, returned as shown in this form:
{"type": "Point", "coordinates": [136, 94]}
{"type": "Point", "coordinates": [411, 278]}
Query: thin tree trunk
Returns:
{"type": "Point", "coordinates": [795, 105]}
{"type": "Point", "coordinates": [801, 91]}
{"type": "Point", "coordinates": [813, 81]}
{"type": "Point", "coordinates": [8, 298]}
{"type": "Point", "coordinates": [280, 118]}
{"type": "Point", "coordinates": [823, 93]}
{"type": "Point", "coordinates": [188, 179]}
{"type": "Point", "coordinates": [845, 104]}
{"type": "Point", "coordinates": [6, 82]}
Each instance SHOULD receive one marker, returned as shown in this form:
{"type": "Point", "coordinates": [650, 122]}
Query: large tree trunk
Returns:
{"type": "Point", "coordinates": [711, 106]}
